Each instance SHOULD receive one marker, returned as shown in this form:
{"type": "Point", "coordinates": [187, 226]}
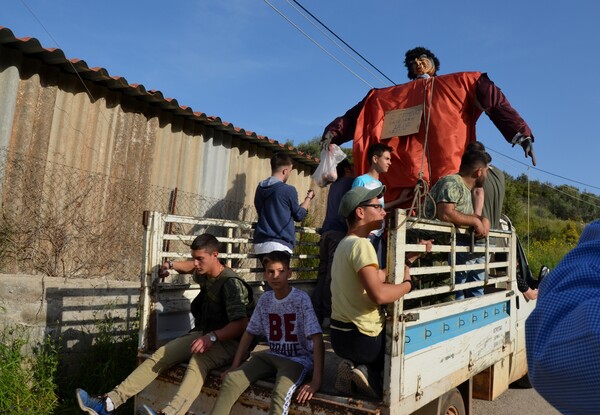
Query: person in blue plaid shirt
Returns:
{"type": "Point", "coordinates": [563, 331]}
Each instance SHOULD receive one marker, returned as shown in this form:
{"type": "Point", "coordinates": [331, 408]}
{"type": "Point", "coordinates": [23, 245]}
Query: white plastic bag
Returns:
{"type": "Point", "coordinates": [330, 158]}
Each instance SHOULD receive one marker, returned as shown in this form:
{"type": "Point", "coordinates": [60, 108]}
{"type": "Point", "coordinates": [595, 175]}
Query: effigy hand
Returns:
{"type": "Point", "coordinates": [527, 144]}
{"type": "Point", "coordinates": [326, 140]}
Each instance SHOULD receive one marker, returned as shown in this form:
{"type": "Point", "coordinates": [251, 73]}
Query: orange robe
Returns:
{"type": "Point", "coordinates": [453, 104]}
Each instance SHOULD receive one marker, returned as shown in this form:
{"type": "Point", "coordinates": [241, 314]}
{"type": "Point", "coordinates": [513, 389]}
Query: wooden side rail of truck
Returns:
{"type": "Point", "coordinates": [439, 355]}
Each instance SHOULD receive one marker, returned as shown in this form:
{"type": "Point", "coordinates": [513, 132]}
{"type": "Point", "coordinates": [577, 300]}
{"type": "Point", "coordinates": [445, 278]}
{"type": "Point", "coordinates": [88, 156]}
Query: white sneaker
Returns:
{"type": "Point", "coordinates": [145, 410]}
{"type": "Point", "coordinates": [361, 382]}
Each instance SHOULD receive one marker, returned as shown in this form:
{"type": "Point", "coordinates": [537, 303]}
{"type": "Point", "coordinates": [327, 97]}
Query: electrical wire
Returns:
{"type": "Point", "coordinates": [553, 187]}
{"type": "Point", "coordinates": [342, 64]}
{"type": "Point", "coordinates": [373, 66]}
{"type": "Point", "coordinates": [342, 40]}
{"type": "Point", "coordinates": [58, 46]}
{"type": "Point", "coordinates": [374, 75]}
{"type": "Point", "coordinates": [317, 43]}
{"type": "Point", "coordinates": [543, 171]}
{"type": "Point", "coordinates": [87, 90]}
{"type": "Point", "coordinates": [570, 196]}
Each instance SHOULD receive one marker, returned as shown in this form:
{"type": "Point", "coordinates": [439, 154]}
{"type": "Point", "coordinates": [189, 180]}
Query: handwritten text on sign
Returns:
{"type": "Point", "coordinates": [397, 123]}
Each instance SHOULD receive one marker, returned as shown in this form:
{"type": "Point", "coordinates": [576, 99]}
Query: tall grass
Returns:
{"type": "Point", "coordinates": [27, 373]}
{"type": "Point", "coordinates": [35, 378]}
{"type": "Point", "coordinates": [548, 253]}
{"type": "Point", "coordinates": [110, 359]}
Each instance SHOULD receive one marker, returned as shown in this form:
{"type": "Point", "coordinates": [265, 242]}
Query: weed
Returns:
{"type": "Point", "coordinates": [27, 377]}
{"type": "Point", "coordinates": [110, 359]}
{"type": "Point", "coordinates": [308, 244]}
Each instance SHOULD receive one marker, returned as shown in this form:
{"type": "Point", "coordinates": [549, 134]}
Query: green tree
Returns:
{"type": "Point", "coordinates": [313, 148]}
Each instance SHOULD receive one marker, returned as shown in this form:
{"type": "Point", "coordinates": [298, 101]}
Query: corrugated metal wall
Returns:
{"type": "Point", "coordinates": [135, 152]}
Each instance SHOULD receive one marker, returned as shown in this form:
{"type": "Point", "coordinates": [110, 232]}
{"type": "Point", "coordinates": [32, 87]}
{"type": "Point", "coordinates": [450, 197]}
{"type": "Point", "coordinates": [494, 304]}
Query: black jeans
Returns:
{"type": "Point", "coordinates": [361, 350]}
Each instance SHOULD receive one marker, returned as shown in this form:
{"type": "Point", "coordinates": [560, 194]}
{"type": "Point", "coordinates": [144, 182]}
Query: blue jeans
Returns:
{"type": "Point", "coordinates": [467, 258]}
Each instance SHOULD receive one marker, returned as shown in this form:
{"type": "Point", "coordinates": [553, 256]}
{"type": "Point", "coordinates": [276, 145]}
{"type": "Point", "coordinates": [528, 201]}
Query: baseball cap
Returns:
{"type": "Point", "coordinates": [356, 196]}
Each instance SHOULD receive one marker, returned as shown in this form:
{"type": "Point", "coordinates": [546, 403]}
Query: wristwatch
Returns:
{"type": "Point", "coordinates": [212, 337]}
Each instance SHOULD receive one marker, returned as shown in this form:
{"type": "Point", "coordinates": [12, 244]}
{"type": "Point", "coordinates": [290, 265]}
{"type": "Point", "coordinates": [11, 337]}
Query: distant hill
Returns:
{"type": "Point", "coordinates": [554, 211]}
{"type": "Point", "coordinates": [548, 218]}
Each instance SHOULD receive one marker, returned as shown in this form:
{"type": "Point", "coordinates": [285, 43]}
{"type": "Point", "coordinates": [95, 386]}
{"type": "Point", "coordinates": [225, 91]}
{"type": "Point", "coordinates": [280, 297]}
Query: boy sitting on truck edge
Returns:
{"type": "Point", "coordinates": [221, 313]}
{"type": "Point", "coordinates": [285, 316]}
{"type": "Point", "coordinates": [359, 290]}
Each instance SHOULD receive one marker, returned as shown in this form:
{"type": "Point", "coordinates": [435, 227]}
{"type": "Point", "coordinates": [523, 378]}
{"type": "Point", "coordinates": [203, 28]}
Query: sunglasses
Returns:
{"type": "Point", "coordinates": [373, 205]}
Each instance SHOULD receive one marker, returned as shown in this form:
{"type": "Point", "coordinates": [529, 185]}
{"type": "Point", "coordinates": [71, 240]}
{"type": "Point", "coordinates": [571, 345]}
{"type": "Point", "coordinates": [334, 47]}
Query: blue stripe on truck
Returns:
{"type": "Point", "coordinates": [432, 332]}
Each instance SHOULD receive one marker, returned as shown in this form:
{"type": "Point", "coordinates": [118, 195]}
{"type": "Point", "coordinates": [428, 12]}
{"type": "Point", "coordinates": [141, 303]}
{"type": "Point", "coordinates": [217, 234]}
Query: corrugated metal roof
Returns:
{"type": "Point", "coordinates": [52, 56]}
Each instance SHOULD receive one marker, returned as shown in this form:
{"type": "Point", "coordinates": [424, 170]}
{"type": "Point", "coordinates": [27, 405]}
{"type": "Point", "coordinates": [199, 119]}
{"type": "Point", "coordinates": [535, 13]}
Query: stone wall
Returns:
{"type": "Point", "coordinates": [68, 308]}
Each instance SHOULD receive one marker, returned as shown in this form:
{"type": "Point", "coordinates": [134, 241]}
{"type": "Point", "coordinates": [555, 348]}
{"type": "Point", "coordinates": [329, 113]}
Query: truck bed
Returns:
{"type": "Point", "coordinates": [439, 352]}
{"type": "Point", "coordinates": [326, 401]}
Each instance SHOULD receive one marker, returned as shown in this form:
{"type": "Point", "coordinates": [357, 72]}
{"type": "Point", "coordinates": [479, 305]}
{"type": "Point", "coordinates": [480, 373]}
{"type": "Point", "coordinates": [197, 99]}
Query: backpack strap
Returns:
{"type": "Point", "coordinates": [216, 293]}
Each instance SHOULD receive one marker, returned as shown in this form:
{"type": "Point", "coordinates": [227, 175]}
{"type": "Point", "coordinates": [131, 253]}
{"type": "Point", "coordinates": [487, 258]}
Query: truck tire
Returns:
{"type": "Point", "coordinates": [452, 403]}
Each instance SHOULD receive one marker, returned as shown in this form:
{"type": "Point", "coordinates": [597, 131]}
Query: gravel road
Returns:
{"type": "Point", "coordinates": [515, 401]}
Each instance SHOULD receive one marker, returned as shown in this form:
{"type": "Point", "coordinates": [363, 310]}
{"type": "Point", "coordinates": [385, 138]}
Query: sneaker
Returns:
{"type": "Point", "coordinates": [343, 380]}
{"type": "Point", "coordinates": [360, 379]}
{"type": "Point", "coordinates": [93, 405]}
{"type": "Point", "coordinates": [146, 410]}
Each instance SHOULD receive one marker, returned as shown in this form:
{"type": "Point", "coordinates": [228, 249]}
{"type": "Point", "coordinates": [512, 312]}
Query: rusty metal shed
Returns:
{"type": "Point", "coordinates": [98, 150]}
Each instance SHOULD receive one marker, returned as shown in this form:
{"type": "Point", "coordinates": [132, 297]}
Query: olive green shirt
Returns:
{"type": "Point", "coordinates": [213, 311]}
{"type": "Point", "coordinates": [450, 189]}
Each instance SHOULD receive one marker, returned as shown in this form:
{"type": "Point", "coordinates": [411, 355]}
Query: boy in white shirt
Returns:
{"type": "Point", "coordinates": [285, 316]}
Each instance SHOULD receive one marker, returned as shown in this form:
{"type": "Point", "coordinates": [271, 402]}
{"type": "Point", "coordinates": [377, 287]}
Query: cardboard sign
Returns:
{"type": "Point", "coordinates": [397, 123]}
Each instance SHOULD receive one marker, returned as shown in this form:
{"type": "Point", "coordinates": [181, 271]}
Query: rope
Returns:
{"type": "Point", "coordinates": [528, 199]}
{"type": "Point", "coordinates": [421, 193]}
{"type": "Point", "coordinates": [421, 190]}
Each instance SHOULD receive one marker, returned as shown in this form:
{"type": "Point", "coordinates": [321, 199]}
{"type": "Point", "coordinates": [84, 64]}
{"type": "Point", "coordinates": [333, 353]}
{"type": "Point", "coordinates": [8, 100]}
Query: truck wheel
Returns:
{"type": "Point", "coordinates": [452, 403]}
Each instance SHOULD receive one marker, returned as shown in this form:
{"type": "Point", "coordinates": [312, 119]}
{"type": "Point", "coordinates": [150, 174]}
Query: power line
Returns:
{"type": "Point", "coordinates": [333, 41]}
{"type": "Point", "coordinates": [317, 43]}
{"type": "Point", "coordinates": [58, 46]}
{"type": "Point", "coordinates": [543, 171]}
{"type": "Point", "coordinates": [571, 196]}
{"type": "Point", "coordinates": [373, 66]}
{"type": "Point", "coordinates": [552, 187]}
{"type": "Point", "coordinates": [87, 90]}
{"type": "Point", "coordinates": [337, 60]}
{"type": "Point", "coordinates": [341, 40]}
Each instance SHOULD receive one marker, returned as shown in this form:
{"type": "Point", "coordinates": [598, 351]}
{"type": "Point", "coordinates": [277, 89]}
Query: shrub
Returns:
{"type": "Point", "coordinates": [548, 253]}
{"type": "Point", "coordinates": [110, 359]}
{"type": "Point", "coordinates": [307, 244]}
{"type": "Point", "coordinates": [27, 377]}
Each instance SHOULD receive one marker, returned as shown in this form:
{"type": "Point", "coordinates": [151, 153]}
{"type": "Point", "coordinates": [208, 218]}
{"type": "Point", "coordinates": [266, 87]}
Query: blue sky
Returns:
{"type": "Point", "coordinates": [240, 60]}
